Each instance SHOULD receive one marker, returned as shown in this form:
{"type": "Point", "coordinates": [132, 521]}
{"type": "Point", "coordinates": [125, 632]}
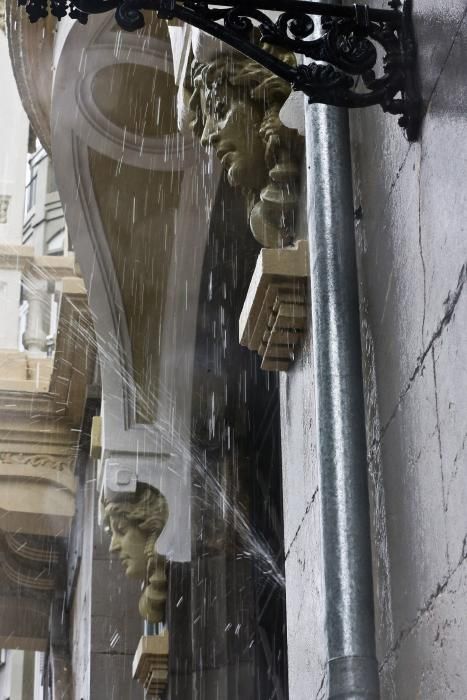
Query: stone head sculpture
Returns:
{"type": "Point", "coordinates": [135, 524]}
{"type": "Point", "coordinates": [235, 104]}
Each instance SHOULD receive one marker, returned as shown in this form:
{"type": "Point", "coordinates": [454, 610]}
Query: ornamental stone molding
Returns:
{"type": "Point", "coordinates": [36, 461]}
{"type": "Point", "coordinates": [37, 498]}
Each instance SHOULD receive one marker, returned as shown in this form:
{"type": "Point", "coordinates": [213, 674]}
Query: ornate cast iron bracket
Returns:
{"type": "Point", "coordinates": [344, 51]}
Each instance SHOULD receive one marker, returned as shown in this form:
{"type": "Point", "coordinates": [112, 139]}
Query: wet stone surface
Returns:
{"type": "Point", "coordinates": [412, 258]}
{"type": "Point", "coordinates": [412, 253]}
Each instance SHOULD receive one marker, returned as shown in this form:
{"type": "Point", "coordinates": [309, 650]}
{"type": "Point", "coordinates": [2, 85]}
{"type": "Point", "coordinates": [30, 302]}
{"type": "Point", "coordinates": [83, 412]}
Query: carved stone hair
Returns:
{"type": "Point", "coordinates": [264, 87]}
{"type": "Point", "coordinates": [273, 202]}
{"type": "Point", "coordinates": [146, 508]}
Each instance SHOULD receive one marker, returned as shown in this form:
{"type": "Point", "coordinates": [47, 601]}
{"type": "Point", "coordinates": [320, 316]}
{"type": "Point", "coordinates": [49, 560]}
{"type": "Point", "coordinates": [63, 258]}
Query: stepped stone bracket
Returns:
{"type": "Point", "coordinates": [151, 664]}
{"type": "Point", "coordinates": [274, 316]}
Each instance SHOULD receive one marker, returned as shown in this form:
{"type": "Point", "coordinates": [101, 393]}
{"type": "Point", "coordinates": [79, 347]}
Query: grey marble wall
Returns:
{"type": "Point", "coordinates": [411, 213]}
{"type": "Point", "coordinates": [412, 249]}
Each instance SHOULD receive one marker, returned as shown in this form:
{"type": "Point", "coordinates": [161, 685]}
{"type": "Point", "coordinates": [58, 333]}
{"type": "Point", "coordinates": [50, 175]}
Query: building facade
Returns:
{"type": "Point", "coordinates": [176, 403]}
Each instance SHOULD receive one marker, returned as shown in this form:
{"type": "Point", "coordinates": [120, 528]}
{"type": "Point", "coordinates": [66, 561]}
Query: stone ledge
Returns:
{"type": "Point", "coordinates": [15, 257]}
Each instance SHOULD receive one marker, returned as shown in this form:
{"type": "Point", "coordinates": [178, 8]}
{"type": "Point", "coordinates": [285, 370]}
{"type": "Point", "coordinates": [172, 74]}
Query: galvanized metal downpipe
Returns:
{"type": "Point", "coordinates": [348, 589]}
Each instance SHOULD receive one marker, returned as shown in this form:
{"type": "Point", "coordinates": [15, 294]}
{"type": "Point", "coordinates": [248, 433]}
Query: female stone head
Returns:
{"type": "Point", "coordinates": [231, 99]}
{"type": "Point", "coordinates": [135, 524]}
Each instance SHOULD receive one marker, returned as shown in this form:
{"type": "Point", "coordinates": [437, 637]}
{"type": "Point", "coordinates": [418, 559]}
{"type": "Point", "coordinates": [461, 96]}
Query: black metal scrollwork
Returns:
{"type": "Point", "coordinates": [346, 43]}
{"type": "Point", "coordinates": [129, 16]}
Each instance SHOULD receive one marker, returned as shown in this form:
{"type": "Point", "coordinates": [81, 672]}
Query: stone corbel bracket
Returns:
{"type": "Point", "coordinates": [274, 315]}
{"type": "Point", "coordinates": [151, 664]}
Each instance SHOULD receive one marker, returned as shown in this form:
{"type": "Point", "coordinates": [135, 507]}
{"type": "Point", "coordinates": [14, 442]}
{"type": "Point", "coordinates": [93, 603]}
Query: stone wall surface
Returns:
{"type": "Point", "coordinates": [302, 532]}
{"type": "Point", "coordinates": [411, 213]}
{"type": "Point", "coordinates": [412, 250]}
{"type": "Point", "coordinates": [302, 529]}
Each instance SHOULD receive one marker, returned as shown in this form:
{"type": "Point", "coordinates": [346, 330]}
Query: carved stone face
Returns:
{"type": "Point", "coordinates": [231, 124]}
{"type": "Point", "coordinates": [135, 526]}
{"type": "Point", "coordinates": [129, 542]}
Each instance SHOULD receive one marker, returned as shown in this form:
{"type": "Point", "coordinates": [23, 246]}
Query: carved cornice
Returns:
{"type": "Point", "coordinates": [38, 461]}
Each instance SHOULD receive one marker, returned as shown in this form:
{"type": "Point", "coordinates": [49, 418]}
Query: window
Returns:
{"type": "Point", "coordinates": [51, 183]}
{"type": "Point", "coordinates": [31, 188]}
{"type": "Point", "coordinates": [56, 245]}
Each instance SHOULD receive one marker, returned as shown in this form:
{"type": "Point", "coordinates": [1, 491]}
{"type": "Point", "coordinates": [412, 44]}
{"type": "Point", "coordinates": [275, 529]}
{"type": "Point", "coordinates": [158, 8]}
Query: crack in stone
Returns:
{"type": "Point", "coordinates": [455, 464]}
{"type": "Point", "coordinates": [438, 430]}
{"type": "Point", "coordinates": [398, 174]}
{"type": "Point", "coordinates": [450, 304]}
{"type": "Point", "coordinates": [441, 587]}
{"type": "Point", "coordinates": [456, 458]}
{"type": "Point", "coordinates": [307, 510]}
{"type": "Point", "coordinates": [318, 695]}
{"type": "Point", "coordinates": [420, 243]}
